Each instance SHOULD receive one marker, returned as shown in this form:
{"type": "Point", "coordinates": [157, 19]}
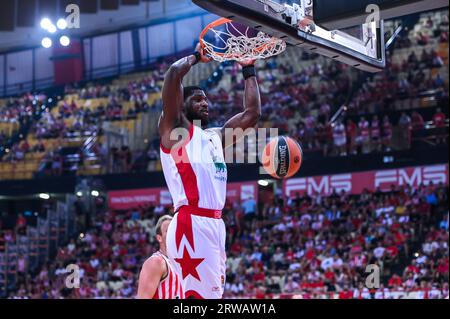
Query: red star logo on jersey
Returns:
{"type": "Point", "coordinates": [189, 265]}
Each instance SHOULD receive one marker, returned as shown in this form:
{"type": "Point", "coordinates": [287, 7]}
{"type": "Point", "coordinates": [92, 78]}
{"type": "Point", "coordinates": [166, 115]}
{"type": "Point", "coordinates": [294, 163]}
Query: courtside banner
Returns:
{"type": "Point", "coordinates": [237, 192]}
{"type": "Point", "coordinates": [133, 198]}
{"type": "Point", "coordinates": [355, 183]}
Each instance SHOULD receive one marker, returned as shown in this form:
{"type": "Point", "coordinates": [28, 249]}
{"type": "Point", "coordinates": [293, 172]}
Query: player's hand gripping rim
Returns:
{"type": "Point", "coordinates": [203, 58]}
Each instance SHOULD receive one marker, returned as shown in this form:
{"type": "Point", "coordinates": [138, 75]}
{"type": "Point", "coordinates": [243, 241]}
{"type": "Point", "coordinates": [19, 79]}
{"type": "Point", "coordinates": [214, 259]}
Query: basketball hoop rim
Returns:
{"type": "Point", "coordinates": [214, 24]}
{"type": "Point", "coordinates": [222, 21]}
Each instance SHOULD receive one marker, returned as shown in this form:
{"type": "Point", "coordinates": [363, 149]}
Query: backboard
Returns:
{"type": "Point", "coordinates": [338, 14]}
{"type": "Point", "coordinates": [361, 46]}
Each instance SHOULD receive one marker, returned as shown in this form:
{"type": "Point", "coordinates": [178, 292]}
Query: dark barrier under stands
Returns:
{"type": "Point", "coordinates": [237, 172]}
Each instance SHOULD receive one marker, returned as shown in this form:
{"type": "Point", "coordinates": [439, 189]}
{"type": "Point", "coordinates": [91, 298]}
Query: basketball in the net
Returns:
{"type": "Point", "coordinates": [282, 157]}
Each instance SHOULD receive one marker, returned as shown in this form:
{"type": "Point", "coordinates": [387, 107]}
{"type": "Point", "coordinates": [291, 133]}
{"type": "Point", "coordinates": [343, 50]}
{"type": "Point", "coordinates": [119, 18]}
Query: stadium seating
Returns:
{"type": "Point", "coordinates": [403, 232]}
{"type": "Point", "coordinates": [305, 91]}
{"type": "Point", "coordinates": [103, 127]}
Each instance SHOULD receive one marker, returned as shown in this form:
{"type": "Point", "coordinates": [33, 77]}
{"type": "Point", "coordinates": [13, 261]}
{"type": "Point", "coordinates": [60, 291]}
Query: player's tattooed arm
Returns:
{"type": "Point", "coordinates": [249, 117]}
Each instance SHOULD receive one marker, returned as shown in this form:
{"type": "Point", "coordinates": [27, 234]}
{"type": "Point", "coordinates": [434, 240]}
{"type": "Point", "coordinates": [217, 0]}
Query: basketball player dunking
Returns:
{"type": "Point", "coordinates": [157, 279]}
{"type": "Point", "coordinates": [196, 235]}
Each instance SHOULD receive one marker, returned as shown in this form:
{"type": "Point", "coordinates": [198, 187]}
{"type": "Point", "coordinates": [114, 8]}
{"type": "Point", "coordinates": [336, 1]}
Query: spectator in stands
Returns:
{"type": "Point", "coordinates": [21, 269]}
{"type": "Point", "coordinates": [387, 133]}
{"type": "Point", "coordinates": [404, 124]}
{"type": "Point", "coordinates": [413, 61]}
{"type": "Point", "coordinates": [310, 132]}
{"type": "Point", "coordinates": [2, 242]}
{"type": "Point", "coordinates": [439, 122]}
{"type": "Point", "coordinates": [290, 286]}
{"type": "Point", "coordinates": [140, 162]}
{"type": "Point", "coordinates": [375, 133]}
{"type": "Point", "coordinates": [125, 157]}
{"type": "Point", "coordinates": [443, 38]}
{"type": "Point", "coordinates": [153, 156]}
{"type": "Point", "coordinates": [340, 223]}
{"type": "Point", "coordinates": [439, 118]}
{"type": "Point", "coordinates": [351, 133]}
{"type": "Point", "coordinates": [322, 138]}
{"type": "Point", "coordinates": [8, 236]}
{"type": "Point", "coordinates": [249, 207]}
{"type": "Point", "coordinates": [444, 223]}
{"type": "Point", "coordinates": [425, 57]}
{"type": "Point", "coordinates": [57, 165]}
{"type": "Point", "coordinates": [25, 146]}
{"type": "Point", "coordinates": [339, 138]}
{"type": "Point", "coordinates": [417, 121]}
{"type": "Point", "coordinates": [315, 136]}
{"type": "Point", "coordinates": [422, 39]}
{"type": "Point", "coordinates": [21, 224]}
{"type": "Point", "coordinates": [102, 153]}
{"type": "Point", "coordinates": [313, 269]}
{"type": "Point", "coordinates": [438, 82]}
{"type": "Point", "coordinates": [17, 154]}
{"type": "Point", "coordinates": [2, 137]}
{"type": "Point", "coordinates": [436, 60]}
{"type": "Point", "coordinates": [363, 138]}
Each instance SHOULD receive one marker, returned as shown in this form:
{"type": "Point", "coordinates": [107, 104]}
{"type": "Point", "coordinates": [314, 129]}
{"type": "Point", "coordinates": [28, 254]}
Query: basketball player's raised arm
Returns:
{"type": "Point", "coordinates": [172, 95]}
{"type": "Point", "coordinates": [249, 117]}
{"type": "Point", "coordinates": [151, 273]}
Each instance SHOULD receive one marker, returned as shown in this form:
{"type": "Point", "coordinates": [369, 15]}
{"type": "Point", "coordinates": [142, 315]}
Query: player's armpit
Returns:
{"type": "Point", "coordinates": [252, 111]}
{"type": "Point", "coordinates": [152, 271]}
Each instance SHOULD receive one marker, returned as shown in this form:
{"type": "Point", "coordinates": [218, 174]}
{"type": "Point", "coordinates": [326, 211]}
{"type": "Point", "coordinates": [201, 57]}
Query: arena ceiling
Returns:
{"type": "Point", "coordinates": [20, 19]}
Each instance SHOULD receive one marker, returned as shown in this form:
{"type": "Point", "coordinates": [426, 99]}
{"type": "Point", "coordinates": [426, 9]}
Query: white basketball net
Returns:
{"type": "Point", "coordinates": [239, 46]}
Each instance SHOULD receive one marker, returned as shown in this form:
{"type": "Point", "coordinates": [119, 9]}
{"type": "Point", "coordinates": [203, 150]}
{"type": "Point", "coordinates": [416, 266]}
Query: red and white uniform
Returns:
{"type": "Point", "coordinates": [439, 119]}
{"type": "Point", "coordinates": [364, 131]}
{"type": "Point", "coordinates": [375, 130]}
{"type": "Point", "coordinates": [196, 173]}
{"type": "Point", "coordinates": [171, 286]}
{"type": "Point", "coordinates": [339, 136]}
{"type": "Point", "coordinates": [387, 130]}
{"type": "Point", "coordinates": [196, 176]}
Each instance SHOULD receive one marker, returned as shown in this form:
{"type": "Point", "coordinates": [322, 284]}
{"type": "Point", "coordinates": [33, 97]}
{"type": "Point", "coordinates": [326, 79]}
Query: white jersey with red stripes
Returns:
{"type": "Point", "coordinates": [171, 287]}
{"type": "Point", "coordinates": [195, 172]}
{"type": "Point", "coordinates": [375, 129]}
{"type": "Point", "coordinates": [387, 129]}
{"type": "Point", "coordinates": [364, 128]}
{"type": "Point", "coordinates": [339, 131]}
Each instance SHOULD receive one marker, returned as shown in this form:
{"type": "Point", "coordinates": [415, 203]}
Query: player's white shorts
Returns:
{"type": "Point", "coordinates": [196, 248]}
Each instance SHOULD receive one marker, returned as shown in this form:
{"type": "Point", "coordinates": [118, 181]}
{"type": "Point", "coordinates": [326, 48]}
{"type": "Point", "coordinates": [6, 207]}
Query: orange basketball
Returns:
{"type": "Point", "coordinates": [282, 157]}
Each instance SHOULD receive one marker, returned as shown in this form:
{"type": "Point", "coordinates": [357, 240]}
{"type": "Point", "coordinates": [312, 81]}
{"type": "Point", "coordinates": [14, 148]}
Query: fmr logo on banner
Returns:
{"type": "Point", "coordinates": [355, 183]}
{"type": "Point", "coordinates": [411, 176]}
{"type": "Point", "coordinates": [323, 185]}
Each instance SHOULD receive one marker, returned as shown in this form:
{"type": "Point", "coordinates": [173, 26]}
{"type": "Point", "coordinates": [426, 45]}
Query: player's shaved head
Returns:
{"type": "Point", "coordinates": [188, 91]}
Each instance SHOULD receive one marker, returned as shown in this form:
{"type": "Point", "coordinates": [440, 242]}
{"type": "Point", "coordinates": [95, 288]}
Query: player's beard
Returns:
{"type": "Point", "coordinates": [197, 116]}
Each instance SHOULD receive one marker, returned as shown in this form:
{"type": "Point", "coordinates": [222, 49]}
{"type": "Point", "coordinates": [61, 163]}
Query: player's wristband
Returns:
{"type": "Point", "coordinates": [198, 57]}
{"type": "Point", "coordinates": [248, 71]}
